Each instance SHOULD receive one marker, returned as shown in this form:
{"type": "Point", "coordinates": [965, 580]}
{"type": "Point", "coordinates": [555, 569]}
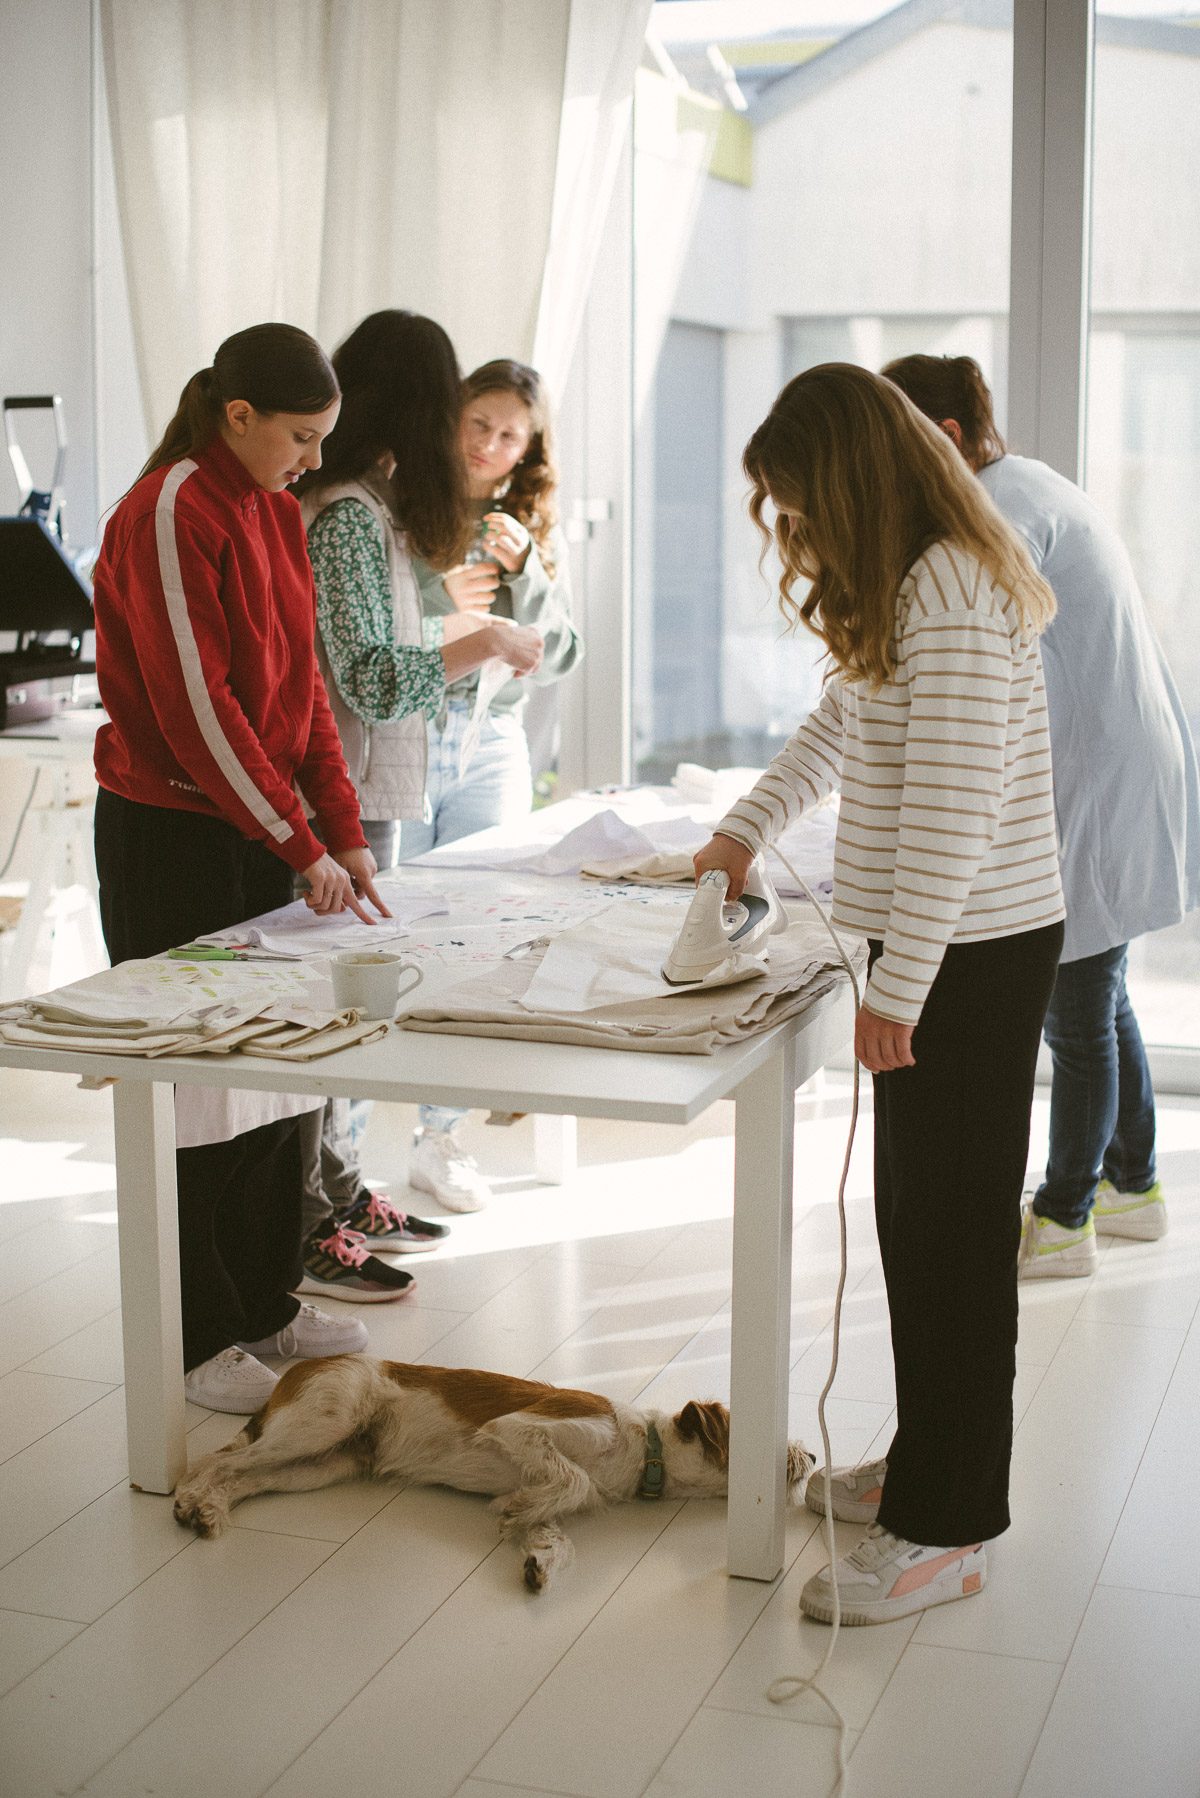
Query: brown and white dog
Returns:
{"type": "Point", "coordinates": [540, 1451]}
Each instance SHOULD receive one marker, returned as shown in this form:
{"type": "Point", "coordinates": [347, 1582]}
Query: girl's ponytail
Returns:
{"type": "Point", "coordinates": [196, 419]}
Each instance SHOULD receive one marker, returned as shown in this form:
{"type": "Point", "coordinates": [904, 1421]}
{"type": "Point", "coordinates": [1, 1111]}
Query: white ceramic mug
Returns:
{"type": "Point", "coordinates": [369, 981]}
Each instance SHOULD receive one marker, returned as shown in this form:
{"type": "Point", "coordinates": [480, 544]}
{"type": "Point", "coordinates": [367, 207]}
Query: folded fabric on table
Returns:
{"type": "Point", "coordinates": [341, 1031]}
{"type": "Point", "coordinates": [102, 1016]}
{"type": "Point", "coordinates": [690, 1021]}
{"type": "Point", "coordinates": [659, 870]}
{"type": "Point", "coordinates": [161, 1007]}
{"type": "Point", "coordinates": [808, 845]}
{"type": "Point", "coordinates": [618, 955]}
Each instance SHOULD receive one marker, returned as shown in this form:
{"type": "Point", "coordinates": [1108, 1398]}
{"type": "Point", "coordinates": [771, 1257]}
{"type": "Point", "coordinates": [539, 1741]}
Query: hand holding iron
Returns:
{"type": "Point", "coordinates": [730, 856]}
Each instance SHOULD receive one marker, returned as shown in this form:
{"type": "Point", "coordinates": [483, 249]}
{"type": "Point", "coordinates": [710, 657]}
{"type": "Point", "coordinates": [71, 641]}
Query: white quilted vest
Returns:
{"type": "Point", "coordinates": [387, 762]}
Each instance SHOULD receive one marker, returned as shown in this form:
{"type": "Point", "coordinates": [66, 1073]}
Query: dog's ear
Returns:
{"type": "Point", "coordinates": [707, 1423]}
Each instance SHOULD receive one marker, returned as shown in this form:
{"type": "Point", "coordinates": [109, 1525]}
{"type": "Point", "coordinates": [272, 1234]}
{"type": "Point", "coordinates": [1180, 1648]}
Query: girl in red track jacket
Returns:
{"type": "Point", "coordinates": [205, 616]}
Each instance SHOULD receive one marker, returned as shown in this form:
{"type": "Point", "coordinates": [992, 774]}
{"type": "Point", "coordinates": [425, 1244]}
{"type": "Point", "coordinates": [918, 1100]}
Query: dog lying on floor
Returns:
{"type": "Point", "coordinates": [541, 1452]}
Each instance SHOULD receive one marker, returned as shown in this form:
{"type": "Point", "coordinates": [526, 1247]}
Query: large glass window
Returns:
{"type": "Point", "coordinates": [1143, 418]}
{"type": "Point", "coordinates": [814, 180]}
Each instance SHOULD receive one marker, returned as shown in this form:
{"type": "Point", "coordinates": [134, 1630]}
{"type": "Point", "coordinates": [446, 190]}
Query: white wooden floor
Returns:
{"type": "Point", "coordinates": [370, 1640]}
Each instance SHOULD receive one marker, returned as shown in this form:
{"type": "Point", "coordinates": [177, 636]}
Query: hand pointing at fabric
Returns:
{"type": "Point", "coordinates": [333, 886]}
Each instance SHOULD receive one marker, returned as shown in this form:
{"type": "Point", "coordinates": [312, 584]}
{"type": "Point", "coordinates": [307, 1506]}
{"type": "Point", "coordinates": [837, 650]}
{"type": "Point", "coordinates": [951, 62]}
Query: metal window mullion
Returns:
{"type": "Point", "coordinates": [1051, 230]}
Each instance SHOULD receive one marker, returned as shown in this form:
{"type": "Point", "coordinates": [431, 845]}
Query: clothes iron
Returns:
{"type": "Point", "coordinates": [722, 942]}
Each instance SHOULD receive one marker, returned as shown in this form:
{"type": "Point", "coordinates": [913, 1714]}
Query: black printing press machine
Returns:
{"type": "Point", "coordinates": [45, 605]}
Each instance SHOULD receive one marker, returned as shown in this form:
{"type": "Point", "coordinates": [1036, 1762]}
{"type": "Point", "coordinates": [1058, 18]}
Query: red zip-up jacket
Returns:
{"type": "Point", "coordinates": [205, 622]}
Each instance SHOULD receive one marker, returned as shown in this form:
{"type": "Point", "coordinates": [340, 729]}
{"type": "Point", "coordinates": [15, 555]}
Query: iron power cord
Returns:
{"type": "Point", "coordinates": [790, 1685]}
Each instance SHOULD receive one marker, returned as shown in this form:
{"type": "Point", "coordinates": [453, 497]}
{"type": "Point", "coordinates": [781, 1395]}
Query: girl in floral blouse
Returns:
{"type": "Point", "coordinates": [391, 485]}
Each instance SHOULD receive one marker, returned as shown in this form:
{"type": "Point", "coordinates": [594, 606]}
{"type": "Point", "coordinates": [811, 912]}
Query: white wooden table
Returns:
{"type": "Point", "coordinates": [550, 1078]}
{"type": "Point", "coordinates": [61, 748]}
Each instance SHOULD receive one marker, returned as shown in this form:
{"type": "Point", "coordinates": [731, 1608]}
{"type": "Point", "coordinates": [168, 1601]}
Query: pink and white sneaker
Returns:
{"type": "Point", "coordinates": [856, 1492]}
{"type": "Point", "coordinates": [885, 1577]}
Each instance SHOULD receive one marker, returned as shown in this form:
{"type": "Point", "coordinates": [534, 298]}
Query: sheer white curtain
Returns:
{"type": "Point", "coordinates": [443, 130]}
{"type": "Point", "coordinates": [604, 46]}
{"type": "Point", "coordinates": [218, 111]}
{"type": "Point", "coordinates": [316, 159]}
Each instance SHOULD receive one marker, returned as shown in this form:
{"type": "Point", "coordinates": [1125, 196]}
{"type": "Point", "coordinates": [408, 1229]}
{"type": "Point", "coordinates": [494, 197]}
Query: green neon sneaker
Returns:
{"type": "Point", "coordinates": [1050, 1251]}
{"type": "Point", "coordinates": [1142, 1215]}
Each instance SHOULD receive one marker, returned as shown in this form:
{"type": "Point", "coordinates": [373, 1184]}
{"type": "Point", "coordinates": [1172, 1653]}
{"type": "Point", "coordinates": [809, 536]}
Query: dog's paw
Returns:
{"type": "Point", "coordinates": [196, 1512]}
{"type": "Point", "coordinates": [799, 1465]}
{"type": "Point", "coordinates": [537, 1576]}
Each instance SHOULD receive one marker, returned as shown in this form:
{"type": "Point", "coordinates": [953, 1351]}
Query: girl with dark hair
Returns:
{"type": "Point", "coordinates": [1128, 801]}
{"type": "Point", "coordinates": [516, 568]}
{"type": "Point", "coordinates": [933, 725]}
{"type": "Point", "coordinates": [391, 486]}
{"type": "Point", "coordinates": [204, 655]}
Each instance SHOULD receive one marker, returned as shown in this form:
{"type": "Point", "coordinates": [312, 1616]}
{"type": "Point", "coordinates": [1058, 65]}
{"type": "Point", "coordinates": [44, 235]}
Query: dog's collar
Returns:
{"type": "Point", "coordinates": [653, 1472]}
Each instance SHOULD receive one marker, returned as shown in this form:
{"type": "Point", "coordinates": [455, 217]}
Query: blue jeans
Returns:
{"type": "Point", "coordinates": [497, 788]}
{"type": "Point", "coordinates": [1101, 1099]}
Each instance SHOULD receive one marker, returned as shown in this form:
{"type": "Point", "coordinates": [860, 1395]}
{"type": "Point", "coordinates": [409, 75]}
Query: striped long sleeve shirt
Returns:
{"type": "Point", "coordinates": [946, 830]}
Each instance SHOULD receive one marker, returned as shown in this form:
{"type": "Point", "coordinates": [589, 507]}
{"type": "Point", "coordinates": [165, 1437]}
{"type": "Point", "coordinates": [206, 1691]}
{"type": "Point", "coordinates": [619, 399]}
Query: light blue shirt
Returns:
{"type": "Point", "coordinates": [1126, 791]}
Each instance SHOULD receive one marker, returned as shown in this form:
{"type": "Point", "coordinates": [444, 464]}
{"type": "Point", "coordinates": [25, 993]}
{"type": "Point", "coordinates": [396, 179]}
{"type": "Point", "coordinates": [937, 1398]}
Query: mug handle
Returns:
{"type": "Point", "coordinates": [410, 967]}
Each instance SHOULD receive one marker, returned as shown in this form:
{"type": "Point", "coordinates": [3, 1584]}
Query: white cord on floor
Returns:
{"type": "Point", "coordinates": [790, 1685]}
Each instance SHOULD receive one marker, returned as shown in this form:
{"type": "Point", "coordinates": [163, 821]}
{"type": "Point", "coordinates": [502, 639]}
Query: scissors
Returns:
{"type": "Point", "coordinates": [224, 952]}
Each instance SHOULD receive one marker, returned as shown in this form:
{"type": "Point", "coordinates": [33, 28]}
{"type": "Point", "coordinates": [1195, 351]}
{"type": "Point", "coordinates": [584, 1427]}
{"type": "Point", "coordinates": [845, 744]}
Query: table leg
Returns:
{"type": "Point", "coordinates": [148, 1223]}
{"type": "Point", "coordinates": [33, 911]}
{"type": "Point", "coordinates": [762, 1293]}
{"type": "Point", "coordinates": [555, 1148]}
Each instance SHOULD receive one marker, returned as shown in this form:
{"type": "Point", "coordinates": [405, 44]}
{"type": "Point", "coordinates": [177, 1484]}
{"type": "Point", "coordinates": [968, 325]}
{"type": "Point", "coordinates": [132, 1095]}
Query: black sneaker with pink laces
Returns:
{"type": "Point", "coordinates": [386, 1227]}
{"type": "Point", "coordinates": [338, 1264]}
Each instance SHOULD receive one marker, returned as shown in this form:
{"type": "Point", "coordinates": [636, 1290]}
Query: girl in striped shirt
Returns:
{"type": "Point", "coordinates": [933, 724]}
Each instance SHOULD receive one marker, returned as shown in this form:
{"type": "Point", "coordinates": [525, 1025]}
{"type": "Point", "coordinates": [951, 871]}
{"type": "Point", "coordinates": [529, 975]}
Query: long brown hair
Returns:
{"type": "Point", "coordinates": [952, 387]}
{"type": "Point", "coordinates": [401, 385]}
{"type": "Point", "coordinates": [529, 495]}
{"type": "Point", "coordinates": [868, 485]}
{"type": "Point", "coordinates": [275, 368]}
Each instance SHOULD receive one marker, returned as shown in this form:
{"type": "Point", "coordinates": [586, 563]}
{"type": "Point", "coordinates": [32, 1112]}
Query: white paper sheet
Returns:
{"type": "Point", "coordinates": [493, 675]}
{"type": "Point", "coordinates": [296, 930]}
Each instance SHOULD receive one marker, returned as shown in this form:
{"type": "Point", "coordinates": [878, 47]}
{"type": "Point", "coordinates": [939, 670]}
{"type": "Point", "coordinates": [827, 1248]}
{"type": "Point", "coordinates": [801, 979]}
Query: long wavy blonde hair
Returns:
{"type": "Point", "coordinates": [863, 485]}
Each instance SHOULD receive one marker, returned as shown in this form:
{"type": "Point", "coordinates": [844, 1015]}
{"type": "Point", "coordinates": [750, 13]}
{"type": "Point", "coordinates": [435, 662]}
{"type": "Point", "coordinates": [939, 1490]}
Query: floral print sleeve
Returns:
{"type": "Point", "coordinates": [379, 679]}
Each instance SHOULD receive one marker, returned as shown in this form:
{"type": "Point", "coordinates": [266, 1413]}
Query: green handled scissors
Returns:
{"type": "Point", "coordinates": [216, 952]}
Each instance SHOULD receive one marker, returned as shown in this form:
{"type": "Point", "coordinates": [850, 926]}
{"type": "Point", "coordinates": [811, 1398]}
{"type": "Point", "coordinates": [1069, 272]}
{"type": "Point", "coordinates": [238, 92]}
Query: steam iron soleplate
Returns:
{"type": "Point", "coordinates": [720, 943]}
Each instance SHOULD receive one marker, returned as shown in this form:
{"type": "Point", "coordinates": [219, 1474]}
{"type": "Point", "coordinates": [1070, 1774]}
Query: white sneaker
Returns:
{"type": "Point", "coordinates": [1050, 1251]}
{"type": "Point", "coordinates": [1141, 1215]}
{"type": "Point", "coordinates": [884, 1577]}
{"type": "Point", "coordinates": [312, 1333]}
{"type": "Point", "coordinates": [440, 1165]}
{"type": "Point", "coordinates": [855, 1492]}
{"type": "Point", "coordinates": [230, 1381]}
